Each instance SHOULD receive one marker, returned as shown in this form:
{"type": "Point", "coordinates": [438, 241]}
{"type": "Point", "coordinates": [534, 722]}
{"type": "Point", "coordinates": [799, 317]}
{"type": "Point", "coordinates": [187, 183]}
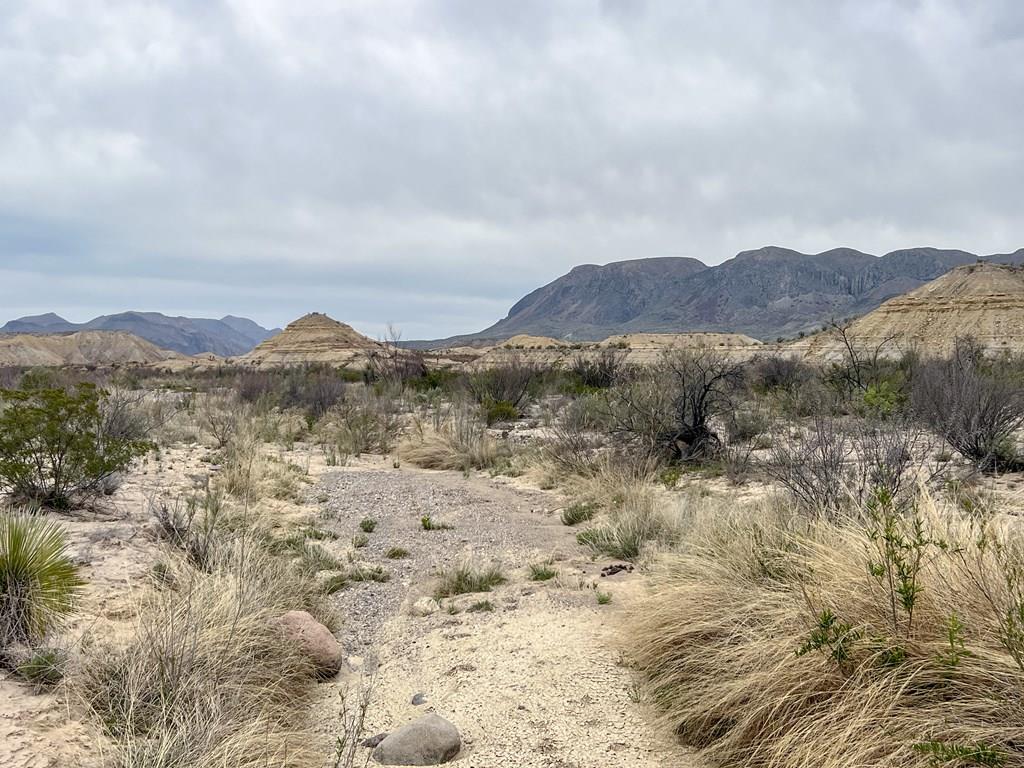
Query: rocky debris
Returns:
{"type": "Point", "coordinates": [316, 641]}
{"type": "Point", "coordinates": [611, 570]}
{"type": "Point", "coordinates": [430, 740]}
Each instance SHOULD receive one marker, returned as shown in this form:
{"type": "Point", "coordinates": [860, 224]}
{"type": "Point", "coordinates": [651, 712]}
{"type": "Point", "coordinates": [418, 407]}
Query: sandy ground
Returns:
{"type": "Point", "coordinates": [535, 682]}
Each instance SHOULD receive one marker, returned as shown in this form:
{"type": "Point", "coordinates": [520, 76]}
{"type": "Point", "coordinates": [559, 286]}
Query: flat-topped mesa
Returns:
{"type": "Point", "coordinates": [984, 301]}
{"type": "Point", "coordinates": [313, 338]}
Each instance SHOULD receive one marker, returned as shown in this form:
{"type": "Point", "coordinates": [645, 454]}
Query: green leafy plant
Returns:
{"type": "Point", "coordinates": [38, 580]}
{"type": "Point", "coordinates": [54, 447]}
{"type": "Point", "coordinates": [604, 598]}
{"type": "Point", "coordinates": [45, 667]}
{"type": "Point", "coordinates": [832, 637]}
{"type": "Point", "coordinates": [945, 753]}
{"type": "Point", "coordinates": [367, 524]}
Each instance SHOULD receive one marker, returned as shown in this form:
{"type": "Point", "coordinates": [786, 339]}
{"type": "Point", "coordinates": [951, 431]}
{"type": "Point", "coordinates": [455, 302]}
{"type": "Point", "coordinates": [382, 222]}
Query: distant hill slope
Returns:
{"type": "Point", "coordinates": [79, 348]}
{"type": "Point", "coordinates": [227, 337]}
{"type": "Point", "coordinates": [983, 301]}
{"type": "Point", "coordinates": [764, 293]}
{"type": "Point", "coordinates": [313, 338]}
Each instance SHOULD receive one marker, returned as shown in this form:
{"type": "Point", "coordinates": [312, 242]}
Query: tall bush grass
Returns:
{"type": "Point", "coordinates": [773, 640]}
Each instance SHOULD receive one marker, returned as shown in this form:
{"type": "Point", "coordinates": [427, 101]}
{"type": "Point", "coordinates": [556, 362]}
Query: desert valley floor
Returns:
{"type": "Point", "coordinates": [536, 682]}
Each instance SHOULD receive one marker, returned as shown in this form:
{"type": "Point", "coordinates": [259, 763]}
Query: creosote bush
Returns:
{"type": "Point", "coordinates": [53, 448]}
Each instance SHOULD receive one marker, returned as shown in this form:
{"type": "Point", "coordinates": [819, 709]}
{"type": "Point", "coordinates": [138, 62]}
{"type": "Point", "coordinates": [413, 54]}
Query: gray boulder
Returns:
{"type": "Point", "coordinates": [430, 740]}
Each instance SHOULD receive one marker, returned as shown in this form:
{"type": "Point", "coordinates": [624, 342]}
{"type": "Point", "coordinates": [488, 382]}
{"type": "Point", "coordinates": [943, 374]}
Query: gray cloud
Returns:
{"type": "Point", "coordinates": [429, 162]}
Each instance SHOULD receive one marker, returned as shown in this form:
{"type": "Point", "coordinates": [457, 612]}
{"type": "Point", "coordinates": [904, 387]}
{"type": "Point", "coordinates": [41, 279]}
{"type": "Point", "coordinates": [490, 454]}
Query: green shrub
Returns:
{"type": "Point", "coordinates": [396, 553]}
{"type": "Point", "coordinates": [54, 449]}
{"type": "Point", "coordinates": [481, 606]}
{"type": "Point", "coordinates": [368, 524]}
{"type": "Point", "coordinates": [38, 581]}
{"type": "Point", "coordinates": [499, 411]}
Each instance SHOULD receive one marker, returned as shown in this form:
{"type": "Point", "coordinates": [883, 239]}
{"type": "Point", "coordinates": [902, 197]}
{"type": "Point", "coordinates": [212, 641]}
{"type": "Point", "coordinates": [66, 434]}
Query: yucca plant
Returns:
{"type": "Point", "coordinates": [38, 580]}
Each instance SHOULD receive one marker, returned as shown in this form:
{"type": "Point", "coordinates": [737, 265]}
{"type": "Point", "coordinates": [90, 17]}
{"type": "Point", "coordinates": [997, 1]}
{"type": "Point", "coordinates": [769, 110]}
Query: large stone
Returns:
{"type": "Point", "coordinates": [430, 740]}
{"type": "Point", "coordinates": [315, 640]}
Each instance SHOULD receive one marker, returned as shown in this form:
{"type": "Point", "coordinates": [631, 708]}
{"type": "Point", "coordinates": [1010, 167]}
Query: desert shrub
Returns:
{"type": "Point", "coordinates": [792, 385]}
{"type": "Point", "coordinates": [313, 389]}
{"type": "Point", "coordinates": [576, 438]}
{"type": "Point", "coordinates": [814, 467]}
{"type": "Point", "coordinates": [667, 412]}
{"type": "Point", "coordinates": [396, 553]}
{"type": "Point", "coordinates": [592, 372]}
{"type": "Point", "coordinates": [53, 449]}
{"type": "Point", "coordinates": [771, 641]}
{"type": "Point", "coordinates": [394, 365]}
{"type": "Point", "coordinates": [191, 524]}
{"type": "Point", "coordinates": [38, 580]}
{"type": "Point", "coordinates": [460, 441]}
{"type": "Point", "coordinates": [365, 422]}
{"type": "Point", "coordinates": [500, 411]}
{"type": "Point", "coordinates": [514, 382]}
{"type": "Point", "coordinates": [219, 417]}
{"type": "Point", "coordinates": [976, 405]}
{"type": "Point", "coordinates": [467, 578]}
{"type": "Point", "coordinates": [43, 667]}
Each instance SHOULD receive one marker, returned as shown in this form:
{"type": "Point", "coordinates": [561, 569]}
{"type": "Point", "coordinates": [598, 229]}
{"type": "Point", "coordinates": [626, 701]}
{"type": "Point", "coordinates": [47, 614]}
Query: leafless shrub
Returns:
{"type": "Point", "coordinates": [814, 467]}
{"type": "Point", "coordinates": [668, 411]}
{"type": "Point", "coordinates": [599, 371]}
{"type": "Point", "coordinates": [574, 447]}
{"type": "Point", "coordinates": [976, 405]}
{"type": "Point", "coordinates": [219, 416]}
{"type": "Point", "coordinates": [394, 365]}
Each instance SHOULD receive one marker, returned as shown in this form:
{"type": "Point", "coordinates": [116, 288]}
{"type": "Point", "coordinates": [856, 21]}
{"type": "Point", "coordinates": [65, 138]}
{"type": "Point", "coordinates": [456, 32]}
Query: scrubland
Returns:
{"type": "Point", "coordinates": [819, 565]}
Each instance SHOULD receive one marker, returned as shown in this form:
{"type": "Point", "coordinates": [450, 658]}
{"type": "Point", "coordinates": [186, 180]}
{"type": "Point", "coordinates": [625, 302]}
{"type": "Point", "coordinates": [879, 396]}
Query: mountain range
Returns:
{"type": "Point", "coordinates": [764, 293]}
{"type": "Point", "coordinates": [227, 336]}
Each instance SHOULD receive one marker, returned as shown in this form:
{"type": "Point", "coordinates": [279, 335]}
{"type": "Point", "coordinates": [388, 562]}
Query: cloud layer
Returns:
{"type": "Point", "coordinates": [427, 163]}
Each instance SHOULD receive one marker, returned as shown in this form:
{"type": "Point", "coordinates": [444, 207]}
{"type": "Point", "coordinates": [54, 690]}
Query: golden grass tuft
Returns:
{"type": "Point", "coordinates": [718, 638]}
{"type": "Point", "coordinates": [204, 678]}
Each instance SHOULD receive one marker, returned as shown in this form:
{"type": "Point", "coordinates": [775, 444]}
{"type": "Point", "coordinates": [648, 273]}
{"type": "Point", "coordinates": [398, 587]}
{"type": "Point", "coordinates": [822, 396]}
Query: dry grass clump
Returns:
{"type": "Point", "coordinates": [205, 679]}
{"type": "Point", "coordinates": [891, 641]}
{"type": "Point", "coordinates": [635, 519]}
{"type": "Point", "coordinates": [467, 578]}
{"type": "Point", "coordinates": [458, 441]}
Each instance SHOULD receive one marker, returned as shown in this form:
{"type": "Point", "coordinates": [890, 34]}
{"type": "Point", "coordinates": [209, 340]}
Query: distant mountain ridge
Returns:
{"type": "Point", "coordinates": [764, 293]}
{"type": "Point", "coordinates": [227, 337]}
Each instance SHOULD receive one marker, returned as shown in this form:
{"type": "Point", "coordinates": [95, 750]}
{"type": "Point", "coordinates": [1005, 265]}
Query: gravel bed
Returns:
{"type": "Point", "coordinates": [488, 522]}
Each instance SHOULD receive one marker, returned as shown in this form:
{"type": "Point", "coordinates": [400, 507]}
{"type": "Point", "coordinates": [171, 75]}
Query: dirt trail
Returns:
{"type": "Point", "coordinates": [534, 682]}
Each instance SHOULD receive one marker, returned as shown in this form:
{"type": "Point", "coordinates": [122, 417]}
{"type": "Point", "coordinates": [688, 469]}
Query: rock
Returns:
{"type": "Point", "coordinates": [430, 740]}
{"type": "Point", "coordinates": [419, 698]}
{"type": "Point", "coordinates": [373, 741]}
{"type": "Point", "coordinates": [316, 641]}
{"type": "Point", "coordinates": [425, 606]}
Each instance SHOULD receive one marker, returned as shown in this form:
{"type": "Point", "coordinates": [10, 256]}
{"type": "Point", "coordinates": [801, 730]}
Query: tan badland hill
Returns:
{"type": "Point", "coordinates": [636, 348]}
{"type": "Point", "coordinates": [984, 301]}
{"type": "Point", "coordinates": [314, 338]}
{"type": "Point", "coordinates": [81, 348]}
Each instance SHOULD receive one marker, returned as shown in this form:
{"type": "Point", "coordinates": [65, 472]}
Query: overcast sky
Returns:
{"type": "Point", "coordinates": [428, 163]}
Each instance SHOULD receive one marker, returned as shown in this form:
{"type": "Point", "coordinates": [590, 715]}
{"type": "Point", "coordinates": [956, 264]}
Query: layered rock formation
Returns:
{"type": "Point", "coordinates": [314, 338]}
{"type": "Point", "coordinates": [100, 348]}
{"type": "Point", "coordinates": [983, 301]}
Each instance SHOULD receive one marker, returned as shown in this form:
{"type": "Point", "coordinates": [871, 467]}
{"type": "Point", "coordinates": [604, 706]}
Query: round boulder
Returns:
{"type": "Point", "coordinates": [430, 740]}
{"type": "Point", "coordinates": [315, 640]}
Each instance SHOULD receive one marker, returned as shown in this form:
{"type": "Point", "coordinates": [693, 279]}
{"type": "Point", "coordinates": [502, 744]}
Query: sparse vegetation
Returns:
{"type": "Point", "coordinates": [542, 571]}
{"type": "Point", "coordinates": [468, 578]}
